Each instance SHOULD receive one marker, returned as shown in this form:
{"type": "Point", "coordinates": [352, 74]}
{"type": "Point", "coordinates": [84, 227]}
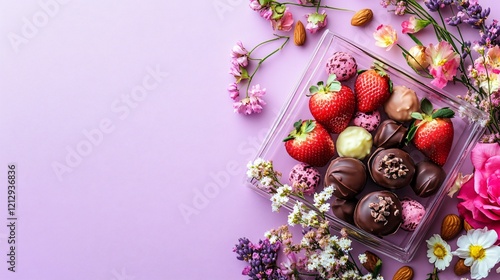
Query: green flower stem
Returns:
{"type": "Point", "coordinates": [314, 6]}
{"type": "Point", "coordinates": [278, 37]}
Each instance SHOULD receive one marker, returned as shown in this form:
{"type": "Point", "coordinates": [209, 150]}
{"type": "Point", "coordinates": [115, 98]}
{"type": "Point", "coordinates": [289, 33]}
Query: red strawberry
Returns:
{"type": "Point", "coordinates": [373, 87]}
{"type": "Point", "coordinates": [310, 143]}
{"type": "Point", "coordinates": [432, 132]}
{"type": "Point", "coordinates": [332, 105]}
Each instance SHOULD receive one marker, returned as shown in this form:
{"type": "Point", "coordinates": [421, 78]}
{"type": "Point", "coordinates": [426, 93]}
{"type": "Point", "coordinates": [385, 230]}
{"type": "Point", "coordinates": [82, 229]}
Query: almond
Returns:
{"type": "Point", "coordinates": [362, 17]}
{"type": "Point", "coordinates": [373, 262]}
{"type": "Point", "coordinates": [404, 273]}
{"type": "Point", "coordinates": [299, 34]}
{"type": "Point", "coordinates": [451, 226]}
{"type": "Point", "coordinates": [460, 268]}
{"type": "Point", "coordinates": [467, 226]}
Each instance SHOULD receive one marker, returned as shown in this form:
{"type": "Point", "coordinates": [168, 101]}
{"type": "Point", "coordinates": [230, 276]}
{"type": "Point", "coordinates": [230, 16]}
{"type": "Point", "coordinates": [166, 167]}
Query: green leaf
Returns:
{"type": "Point", "coordinates": [332, 78]}
{"type": "Point", "coordinates": [411, 133]}
{"type": "Point", "coordinates": [444, 113]}
{"type": "Point", "coordinates": [378, 267]}
{"type": "Point", "coordinates": [415, 39]}
{"type": "Point", "coordinates": [310, 125]}
{"type": "Point", "coordinates": [297, 125]}
{"type": "Point", "coordinates": [313, 89]}
{"type": "Point", "coordinates": [417, 115]}
{"type": "Point", "coordinates": [426, 106]}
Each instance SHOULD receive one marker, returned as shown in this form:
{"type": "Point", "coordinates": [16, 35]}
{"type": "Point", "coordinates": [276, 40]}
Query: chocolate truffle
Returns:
{"type": "Point", "coordinates": [347, 176]}
{"type": "Point", "coordinates": [391, 168]}
{"type": "Point", "coordinates": [402, 102]}
{"type": "Point", "coordinates": [390, 134]}
{"type": "Point", "coordinates": [379, 213]}
{"type": "Point", "coordinates": [355, 142]}
{"type": "Point", "coordinates": [428, 178]}
{"type": "Point", "coordinates": [344, 209]}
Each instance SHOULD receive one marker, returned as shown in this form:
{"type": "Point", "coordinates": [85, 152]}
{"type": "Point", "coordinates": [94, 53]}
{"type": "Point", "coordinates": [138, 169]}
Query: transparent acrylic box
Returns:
{"type": "Point", "coordinates": [403, 244]}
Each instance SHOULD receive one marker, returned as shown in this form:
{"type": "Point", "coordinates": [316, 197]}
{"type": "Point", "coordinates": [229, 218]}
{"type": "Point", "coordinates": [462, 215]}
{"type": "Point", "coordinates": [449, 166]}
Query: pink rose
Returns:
{"type": "Point", "coordinates": [481, 198]}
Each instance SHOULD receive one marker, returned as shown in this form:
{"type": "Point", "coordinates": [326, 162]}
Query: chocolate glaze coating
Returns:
{"type": "Point", "coordinates": [347, 175]}
{"type": "Point", "coordinates": [344, 209]}
{"type": "Point", "coordinates": [390, 134]}
{"type": "Point", "coordinates": [428, 178]}
{"type": "Point", "coordinates": [379, 213]}
{"type": "Point", "coordinates": [391, 168]}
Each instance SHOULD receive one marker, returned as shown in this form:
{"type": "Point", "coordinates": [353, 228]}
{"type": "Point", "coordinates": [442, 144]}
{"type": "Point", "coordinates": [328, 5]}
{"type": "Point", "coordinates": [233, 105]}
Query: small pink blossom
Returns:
{"type": "Point", "coordinates": [266, 13]}
{"type": "Point", "coordinates": [239, 54]}
{"type": "Point", "coordinates": [253, 103]}
{"type": "Point", "coordinates": [285, 23]}
{"type": "Point", "coordinates": [443, 62]}
{"type": "Point", "coordinates": [413, 25]}
{"type": "Point", "coordinates": [238, 72]}
{"type": "Point", "coordinates": [255, 5]}
{"type": "Point", "coordinates": [234, 91]}
{"type": "Point", "coordinates": [316, 21]}
{"type": "Point", "coordinates": [480, 205]}
{"type": "Point", "coordinates": [385, 36]}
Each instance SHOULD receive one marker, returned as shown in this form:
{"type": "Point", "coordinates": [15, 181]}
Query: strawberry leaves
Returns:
{"type": "Point", "coordinates": [332, 85]}
{"type": "Point", "coordinates": [301, 129]}
{"type": "Point", "coordinates": [428, 114]}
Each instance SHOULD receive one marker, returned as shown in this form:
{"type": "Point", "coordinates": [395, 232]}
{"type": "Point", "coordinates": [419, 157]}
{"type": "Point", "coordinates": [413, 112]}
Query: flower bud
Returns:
{"type": "Point", "coordinates": [416, 58]}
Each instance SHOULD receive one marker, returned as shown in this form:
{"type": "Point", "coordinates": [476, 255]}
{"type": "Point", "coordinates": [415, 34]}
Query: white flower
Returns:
{"type": "Point", "coordinates": [345, 244]}
{"type": "Point", "coordinates": [280, 198]}
{"type": "Point", "coordinates": [438, 252]}
{"type": "Point", "coordinates": [321, 198]}
{"type": "Point", "coordinates": [362, 258]}
{"type": "Point", "coordinates": [295, 217]}
{"type": "Point", "coordinates": [478, 249]}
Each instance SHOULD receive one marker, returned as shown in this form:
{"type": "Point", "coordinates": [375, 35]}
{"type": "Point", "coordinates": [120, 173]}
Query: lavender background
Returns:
{"type": "Point", "coordinates": [130, 160]}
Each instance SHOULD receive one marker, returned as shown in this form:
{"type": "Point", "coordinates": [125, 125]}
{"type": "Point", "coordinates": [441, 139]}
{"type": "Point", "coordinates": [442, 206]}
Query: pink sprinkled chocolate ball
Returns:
{"type": "Point", "coordinates": [368, 121]}
{"type": "Point", "coordinates": [304, 178]}
{"type": "Point", "coordinates": [412, 213]}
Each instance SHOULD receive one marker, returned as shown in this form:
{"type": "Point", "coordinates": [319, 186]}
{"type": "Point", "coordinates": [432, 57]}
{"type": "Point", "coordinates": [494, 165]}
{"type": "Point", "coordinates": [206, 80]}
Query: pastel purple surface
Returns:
{"type": "Point", "coordinates": [130, 161]}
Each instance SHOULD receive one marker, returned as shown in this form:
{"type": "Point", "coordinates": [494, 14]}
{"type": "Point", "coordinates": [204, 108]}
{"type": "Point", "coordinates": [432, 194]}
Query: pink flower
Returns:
{"type": "Point", "coordinates": [443, 62]}
{"type": "Point", "coordinates": [316, 21]}
{"type": "Point", "coordinates": [385, 36]}
{"type": "Point", "coordinates": [234, 91]}
{"type": "Point", "coordinates": [253, 103]}
{"type": "Point", "coordinates": [255, 5]}
{"type": "Point", "coordinates": [481, 197]}
{"type": "Point", "coordinates": [285, 23]}
{"type": "Point", "coordinates": [239, 72]}
{"type": "Point", "coordinates": [413, 25]}
{"type": "Point", "coordinates": [239, 54]}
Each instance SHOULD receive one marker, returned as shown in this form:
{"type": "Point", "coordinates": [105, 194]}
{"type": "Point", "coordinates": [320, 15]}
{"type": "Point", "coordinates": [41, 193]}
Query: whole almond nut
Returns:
{"type": "Point", "coordinates": [451, 226]}
{"type": "Point", "coordinates": [404, 273]}
{"type": "Point", "coordinates": [373, 262]}
{"type": "Point", "coordinates": [299, 34]}
{"type": "Point", "coordinates": [460, 268]}
{"type": "Point", "coordinates": [362, 17]}
{"type": "Point", "coordinates": [467, 226]}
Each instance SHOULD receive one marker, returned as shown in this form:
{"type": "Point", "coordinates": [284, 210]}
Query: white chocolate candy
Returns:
{"type": "Point", "coordinates": [355, 142]}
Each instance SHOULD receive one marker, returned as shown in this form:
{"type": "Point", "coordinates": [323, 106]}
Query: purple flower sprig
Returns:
{"type": "Point", "coordinates": [240, 61]}
{"type": "Point", "coordinates": [261, 259]}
